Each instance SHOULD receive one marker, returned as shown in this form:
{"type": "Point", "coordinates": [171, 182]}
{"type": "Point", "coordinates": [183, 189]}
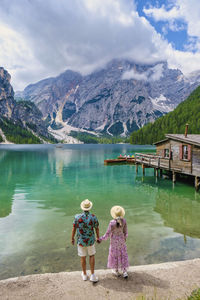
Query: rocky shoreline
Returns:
{"type": "Point", "coordinates": [171, 280]}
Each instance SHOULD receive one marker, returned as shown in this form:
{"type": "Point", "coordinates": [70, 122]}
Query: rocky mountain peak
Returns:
{"type": "Point", "coordinates": [6, 89]}
{"type": "Point", "coordinates": [117, 99]}
{"type": "Point", "coordinates": [23, 114]}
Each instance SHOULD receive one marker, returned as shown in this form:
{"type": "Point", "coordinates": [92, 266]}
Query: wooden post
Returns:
{"type": "Point", "coordinates": [161, 172]}
{"type": "Point", "coordinates": [156, 173]}
{"type": "Point", "coordinates": [196, 183]}
{"type": "Point", "coordinates": [173, 177]}
{"type": "Point", "coordinates": [136, 168]}
{"type": "Point", "coordinates": [143, 169]}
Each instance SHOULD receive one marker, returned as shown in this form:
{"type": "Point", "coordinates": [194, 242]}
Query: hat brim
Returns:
{"type": "Point", "coordinates": [113, 211]}
{"type": "Point", "coordinates": [88, 208]}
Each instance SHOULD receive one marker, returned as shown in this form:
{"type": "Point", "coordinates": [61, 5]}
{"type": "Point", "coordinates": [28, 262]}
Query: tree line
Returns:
{"type": "Point", "coordinates": [87, 138]}
{"type": "Point", "coordinates": [174, 122]}
{"type": "Point", "coordinates": [16, 133]}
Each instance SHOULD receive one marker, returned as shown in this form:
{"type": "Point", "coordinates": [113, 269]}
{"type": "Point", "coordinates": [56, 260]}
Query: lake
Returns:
{"type": "Point", "coordinates": [41, 187]}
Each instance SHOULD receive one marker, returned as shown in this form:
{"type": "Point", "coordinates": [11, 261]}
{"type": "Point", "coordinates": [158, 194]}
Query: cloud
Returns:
{"type": "Point", "coordinates": [186, 10]}
{"type": "Point", "coordinates": [76, 34]}
{"type": "Point", "coordinates": [132, 74]}
{"type": "Point", "coordinates": [181, 14]}
{"type": "Point", "coordinates": [162, 13]}
{"type": "Point", "coordinates": [39, 39]}
{"type": "Point", "coordinates": [152, 74]}
{"type": "Point", "coordinates": [186, 61]}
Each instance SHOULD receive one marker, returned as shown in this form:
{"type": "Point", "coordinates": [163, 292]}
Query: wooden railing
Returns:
{"type": "Point", "coordinates": [152, 160]}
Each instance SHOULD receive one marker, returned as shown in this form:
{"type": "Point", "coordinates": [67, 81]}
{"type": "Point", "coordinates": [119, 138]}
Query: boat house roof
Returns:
{"type": "Point", "coordinates": [193, 139]}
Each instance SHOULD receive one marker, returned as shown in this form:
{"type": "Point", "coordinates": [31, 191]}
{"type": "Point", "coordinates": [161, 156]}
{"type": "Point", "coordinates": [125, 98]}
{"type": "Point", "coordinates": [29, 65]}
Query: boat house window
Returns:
{"type": "Point", "coordinates": [166, 153]}
{"type": "Point", "coordinates": [185, 152]}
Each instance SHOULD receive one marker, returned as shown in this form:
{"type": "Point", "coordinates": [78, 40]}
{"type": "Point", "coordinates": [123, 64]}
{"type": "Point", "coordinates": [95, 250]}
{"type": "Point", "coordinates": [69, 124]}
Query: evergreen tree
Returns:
{"type": "Point", "coordinates": [174, 122]}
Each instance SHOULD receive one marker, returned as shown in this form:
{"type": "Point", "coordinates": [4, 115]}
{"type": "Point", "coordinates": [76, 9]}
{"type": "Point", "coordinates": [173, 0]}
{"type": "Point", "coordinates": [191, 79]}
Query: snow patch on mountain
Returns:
{"type": "Point", "coordinates": [162, 104]}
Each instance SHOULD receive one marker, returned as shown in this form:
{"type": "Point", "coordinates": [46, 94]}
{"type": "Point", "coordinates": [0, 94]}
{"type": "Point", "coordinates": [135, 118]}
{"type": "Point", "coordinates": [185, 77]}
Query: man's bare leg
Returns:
{"type": "Point", "coordinates": [83, 264]}
{"type": "Point", "coordinates": [92, 263]}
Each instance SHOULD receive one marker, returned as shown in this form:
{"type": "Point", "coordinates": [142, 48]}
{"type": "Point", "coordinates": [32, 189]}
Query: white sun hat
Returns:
{"type": "Point", "coordinates": [117, 211]}
{"type": "Point", "coordinates": [86, 205]}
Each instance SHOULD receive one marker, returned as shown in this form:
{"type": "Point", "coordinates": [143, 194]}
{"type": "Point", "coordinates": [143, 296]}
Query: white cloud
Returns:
{"type": "Point", "coordinates": [190, 10]}
{"type": "Point", "coordinates": [39, 38]}
{"type": "Point", "coordinates": [75, 34]}
{"type": "Point", "coordinates": [17, 58]}
{"type": "Point", "coordinates": [152, 74]}
{"type": "Point", "coordinates": [185, 10]}
{"type": "Point", "coordinates": [156, 72]}
{"type": "Point", "coordinates": [132, 74]}
{"type": "Point", "coordinates": [162, 14]}
{"type": "Point", "coordinates": [186, 61]}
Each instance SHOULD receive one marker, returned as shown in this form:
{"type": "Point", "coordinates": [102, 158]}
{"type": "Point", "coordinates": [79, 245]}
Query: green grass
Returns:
{"type": "Point", "coordinates": [195, 295]}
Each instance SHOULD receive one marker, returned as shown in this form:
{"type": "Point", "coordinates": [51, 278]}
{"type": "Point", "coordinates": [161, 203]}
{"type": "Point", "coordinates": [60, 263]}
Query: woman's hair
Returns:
{"type": "Point", "coordinates": [118, 222]}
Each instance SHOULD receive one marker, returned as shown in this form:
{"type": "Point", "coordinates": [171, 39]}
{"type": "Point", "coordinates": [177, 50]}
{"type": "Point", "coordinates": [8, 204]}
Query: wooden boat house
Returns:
{"type": "Point", "coordinates": [177, 153]}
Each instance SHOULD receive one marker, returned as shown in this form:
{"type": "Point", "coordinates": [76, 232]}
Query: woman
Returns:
{"type": "Point", "coordinates": [117, 232]}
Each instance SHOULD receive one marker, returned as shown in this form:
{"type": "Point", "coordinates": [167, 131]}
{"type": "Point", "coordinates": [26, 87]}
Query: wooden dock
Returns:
{"type": "Point", "coordinates": [157, 162]}
{"type": "Point", "coordinates": [161, 164]}
{"type": "Point", "coordinates": [176, 154]}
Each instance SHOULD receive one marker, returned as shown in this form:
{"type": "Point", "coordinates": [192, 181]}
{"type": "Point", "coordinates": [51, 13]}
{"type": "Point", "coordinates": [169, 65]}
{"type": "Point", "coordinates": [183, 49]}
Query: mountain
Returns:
{"type": "Point", "coordinates": [20, 122]}
{"type": "Point", "coordinates": [174, 122]}
{"type": "Point", "coordinates": [117, 99]}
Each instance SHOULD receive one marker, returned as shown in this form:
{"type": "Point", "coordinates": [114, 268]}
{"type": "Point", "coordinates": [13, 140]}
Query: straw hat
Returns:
{"type": "Point", "coordinates": [117, 211]}
{"type": "Point", "coordinates": [86, 205]}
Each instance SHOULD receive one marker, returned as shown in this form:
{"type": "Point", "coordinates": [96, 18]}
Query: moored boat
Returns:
{"type": "Point", "coordinates": [116, 160]}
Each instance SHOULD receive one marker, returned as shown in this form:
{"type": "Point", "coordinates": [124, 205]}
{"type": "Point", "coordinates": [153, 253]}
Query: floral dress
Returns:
{"type": "Point", "coordinates": [118, 256]}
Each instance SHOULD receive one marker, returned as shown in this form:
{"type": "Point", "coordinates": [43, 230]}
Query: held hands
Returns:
{"type": "Point", "coordinates": [98, 241]}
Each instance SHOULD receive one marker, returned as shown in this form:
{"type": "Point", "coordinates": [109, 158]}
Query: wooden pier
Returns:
{"type": "Point", "coordinates": [160, 164]}
{"type": "Point", "coordinates": [176, 154]}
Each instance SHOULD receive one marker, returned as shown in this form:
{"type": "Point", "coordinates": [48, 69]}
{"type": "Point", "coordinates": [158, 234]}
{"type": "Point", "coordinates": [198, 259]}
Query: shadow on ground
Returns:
{"type": "Point", "coordinates": [135, 282]}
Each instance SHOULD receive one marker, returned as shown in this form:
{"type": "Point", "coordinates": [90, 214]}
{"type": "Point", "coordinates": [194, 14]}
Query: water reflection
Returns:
{"type": "Point", "coordinates": [178, 204]}
{"type": "Point", "coordinates": [179, 211]}
{"type": "Point", "coordinates": [6, 185]}
{"type": "Point", "coordinates": [18, 169]}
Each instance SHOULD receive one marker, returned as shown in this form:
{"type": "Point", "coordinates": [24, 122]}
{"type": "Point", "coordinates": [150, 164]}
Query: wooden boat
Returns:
{"type": "Point", "coordinates": [126, 157]}
{"type": "Point", "coordinates": [117, 160]}
{"type": "Point", "coordinates": [59, 146]}
{"type": "Point", "coordinates": [130, 160]}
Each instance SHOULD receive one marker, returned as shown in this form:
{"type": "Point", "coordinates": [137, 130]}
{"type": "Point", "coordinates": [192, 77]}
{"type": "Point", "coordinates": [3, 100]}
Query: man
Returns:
{"type": "Point", "coordinates": [84, 224]}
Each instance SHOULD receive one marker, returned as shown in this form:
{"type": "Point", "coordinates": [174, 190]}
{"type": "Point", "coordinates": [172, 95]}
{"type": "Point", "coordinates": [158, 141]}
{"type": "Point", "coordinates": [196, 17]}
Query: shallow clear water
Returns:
{"type": "Point", "coordinates": [41, 187]}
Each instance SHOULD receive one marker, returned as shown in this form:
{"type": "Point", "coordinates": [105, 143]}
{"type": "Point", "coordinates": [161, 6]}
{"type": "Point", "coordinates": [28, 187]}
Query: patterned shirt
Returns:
{"type": "Point", "coordinates": [85, 224]}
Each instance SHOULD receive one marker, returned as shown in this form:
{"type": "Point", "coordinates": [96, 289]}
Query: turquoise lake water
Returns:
{"type": "Point", "coordinates": [41, 187]}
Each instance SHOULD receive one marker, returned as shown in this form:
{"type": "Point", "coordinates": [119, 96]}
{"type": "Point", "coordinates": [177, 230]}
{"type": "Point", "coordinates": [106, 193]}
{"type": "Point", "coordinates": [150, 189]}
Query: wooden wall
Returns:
{"type": "Point", "coordinates": [191, 167]}
{"type": "Point", "coordinates": [177, 163]}
{"type": "Point", "coordinates": [196, 161]}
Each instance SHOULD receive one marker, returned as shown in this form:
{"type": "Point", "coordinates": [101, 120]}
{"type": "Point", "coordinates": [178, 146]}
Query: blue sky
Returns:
{"type": "Point", "coordinates": [177, 38]}
{"type": "Point", "coordinates": [39, 39]}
